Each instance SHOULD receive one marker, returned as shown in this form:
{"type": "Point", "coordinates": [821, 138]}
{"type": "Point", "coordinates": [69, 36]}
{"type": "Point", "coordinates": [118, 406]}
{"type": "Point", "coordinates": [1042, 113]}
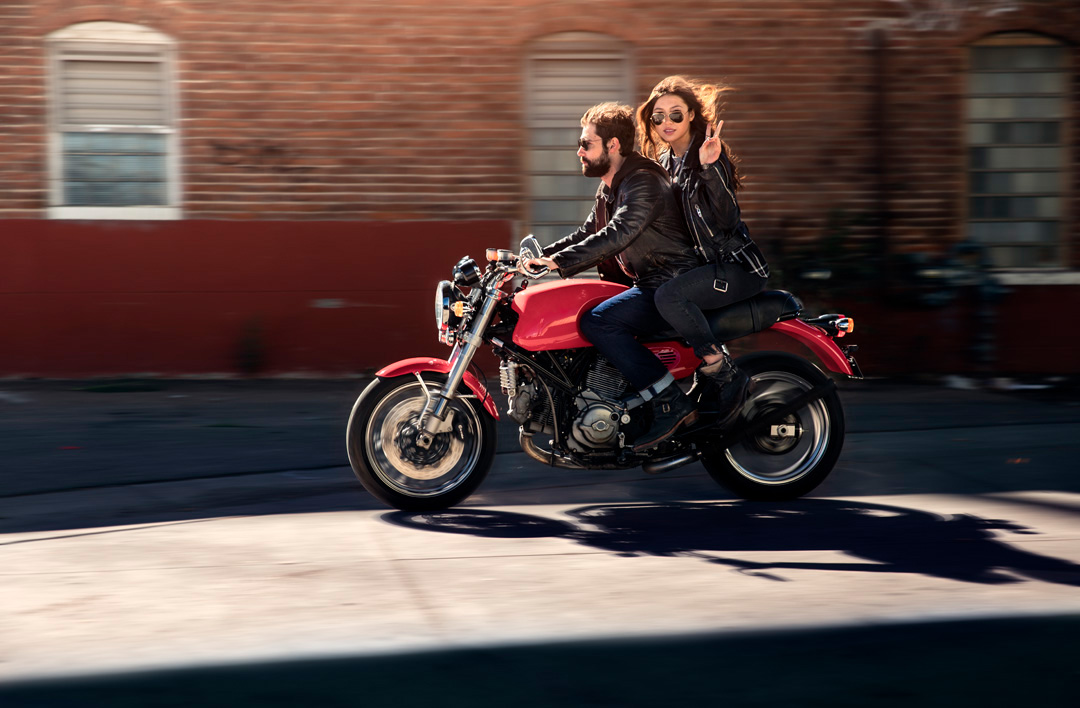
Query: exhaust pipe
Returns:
{"type": "Point", "coordinates": [550, 459]}
{"type": "Point", "coordinates": [659, 466]}
{"type": "Point", "coordinates": [545, 456]}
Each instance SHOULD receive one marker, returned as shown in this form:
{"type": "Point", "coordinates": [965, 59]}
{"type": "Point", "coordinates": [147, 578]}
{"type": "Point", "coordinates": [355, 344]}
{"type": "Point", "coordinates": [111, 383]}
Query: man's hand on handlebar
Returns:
{"type": "Point", "coordinates": [535, 267]}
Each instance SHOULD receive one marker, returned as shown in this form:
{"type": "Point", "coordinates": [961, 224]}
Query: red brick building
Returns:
{"type": "Point", "coordinates": [190, 186]}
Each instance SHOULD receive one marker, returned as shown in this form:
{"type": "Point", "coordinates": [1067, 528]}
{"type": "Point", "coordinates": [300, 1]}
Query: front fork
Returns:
{"type": "Point", "coordinates": [438, 417]}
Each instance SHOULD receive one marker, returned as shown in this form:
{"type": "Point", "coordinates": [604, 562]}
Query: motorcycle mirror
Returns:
{"type": "Point", "coordinates": [530, 248]}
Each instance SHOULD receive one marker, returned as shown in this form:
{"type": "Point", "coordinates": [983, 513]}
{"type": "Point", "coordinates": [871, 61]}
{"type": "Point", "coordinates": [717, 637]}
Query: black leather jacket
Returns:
{"type": "Point", "coordinates": [644, 236]}
{"type": "Point", "coordinates": [711, 210]}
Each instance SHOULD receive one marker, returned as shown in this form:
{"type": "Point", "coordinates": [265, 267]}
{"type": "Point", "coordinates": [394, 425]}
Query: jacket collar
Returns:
{"type": "Point", "coordinates": [633, 162]}
{"type": "Point", "coordinates": [690, 157]}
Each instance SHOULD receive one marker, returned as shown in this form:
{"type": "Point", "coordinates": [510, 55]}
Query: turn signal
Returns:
{"type": "Point", "coordinates": [459, 308]}
{"type": "Point", "coordinates": [845, 325]}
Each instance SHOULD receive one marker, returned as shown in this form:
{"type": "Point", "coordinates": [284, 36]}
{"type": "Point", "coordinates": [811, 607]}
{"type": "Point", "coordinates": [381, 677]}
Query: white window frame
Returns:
{"type": "Point", "coordinates": [1050, 274]}
{"type": "Point", "coordinates": [112, 40]}
{"type": "Point", "coordinates": [579, 47]}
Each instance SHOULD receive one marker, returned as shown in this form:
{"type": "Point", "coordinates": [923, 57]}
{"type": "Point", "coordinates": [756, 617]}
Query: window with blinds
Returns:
{"type": "Point", "coordinates": [567, 74]}
{"type": "Point", "coordinates": [1016, 110]}
{"type": "Point", "coordinates": [113, 122]}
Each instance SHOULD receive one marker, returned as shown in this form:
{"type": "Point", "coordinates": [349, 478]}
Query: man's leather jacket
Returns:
{"type": "Point", "coordinates": [637, 223]}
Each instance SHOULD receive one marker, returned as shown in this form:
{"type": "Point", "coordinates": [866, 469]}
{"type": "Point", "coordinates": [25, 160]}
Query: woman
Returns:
{"type": "Point", "coordinates": [677, 129]}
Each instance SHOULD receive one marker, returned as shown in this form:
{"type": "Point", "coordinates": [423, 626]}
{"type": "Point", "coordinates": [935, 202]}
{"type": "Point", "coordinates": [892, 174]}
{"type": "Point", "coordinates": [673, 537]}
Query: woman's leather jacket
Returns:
{"type": "Point", "coordinates": [711, 210]}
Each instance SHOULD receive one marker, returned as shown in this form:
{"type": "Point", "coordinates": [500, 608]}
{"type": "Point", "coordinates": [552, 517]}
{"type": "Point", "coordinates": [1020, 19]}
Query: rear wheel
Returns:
{"type": "Point", "coordinates": [382, 442]}
{"type": "Point", "coordinates": [792, 456]}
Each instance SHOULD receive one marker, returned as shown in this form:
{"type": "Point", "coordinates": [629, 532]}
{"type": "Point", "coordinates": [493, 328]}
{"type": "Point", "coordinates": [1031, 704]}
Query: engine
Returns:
{"type": "Point", "coordinates": [596, 425]}
{"type": "Point", "coordinates": [597, 410]}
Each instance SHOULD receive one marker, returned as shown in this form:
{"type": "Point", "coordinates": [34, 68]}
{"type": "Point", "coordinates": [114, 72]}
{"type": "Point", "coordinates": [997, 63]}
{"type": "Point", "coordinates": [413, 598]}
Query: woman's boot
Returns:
{"type": "Point", "coordinates": [729, 386]}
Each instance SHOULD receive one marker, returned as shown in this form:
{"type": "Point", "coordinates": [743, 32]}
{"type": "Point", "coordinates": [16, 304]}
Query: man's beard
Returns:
{"type": "Point", "coordinates": [597, 168]}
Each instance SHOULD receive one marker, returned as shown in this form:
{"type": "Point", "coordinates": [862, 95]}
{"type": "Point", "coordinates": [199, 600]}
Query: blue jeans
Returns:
{"type": "Point", "coordinates": [612, 326]}
{"type": "Point", "coordinates": [681, 300]}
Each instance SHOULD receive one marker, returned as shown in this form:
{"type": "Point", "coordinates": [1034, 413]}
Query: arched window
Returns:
{"type": "Point", "coordinates": [567, 73]}
{"type": "Point", "coordinates": [1016, 110]}
{"type": "Point", "coordinates": [112, 117]}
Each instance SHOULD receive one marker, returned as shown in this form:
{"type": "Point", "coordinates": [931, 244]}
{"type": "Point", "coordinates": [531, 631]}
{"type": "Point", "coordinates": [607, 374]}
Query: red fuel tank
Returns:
{"type": "Point", "coordinates": [549, 313]}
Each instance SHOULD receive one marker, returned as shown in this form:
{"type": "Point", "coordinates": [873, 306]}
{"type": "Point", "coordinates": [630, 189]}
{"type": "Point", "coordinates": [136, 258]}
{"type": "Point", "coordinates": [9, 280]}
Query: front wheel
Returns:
{"type": "Point", "coordinates": [794, 455]}
{"type": "Point", "coordinates": [382, 442]}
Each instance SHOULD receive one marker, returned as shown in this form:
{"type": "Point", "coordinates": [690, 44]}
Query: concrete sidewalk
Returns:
{"type": "Point", "coordinates": [68, 435]}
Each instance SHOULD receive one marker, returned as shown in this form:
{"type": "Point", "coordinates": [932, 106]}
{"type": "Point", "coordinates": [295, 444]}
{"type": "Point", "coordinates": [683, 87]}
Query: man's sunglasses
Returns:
{"type": "Point", "coordinates": [675, 116]}
{"type": "Point", "coordinates": [584, 144]}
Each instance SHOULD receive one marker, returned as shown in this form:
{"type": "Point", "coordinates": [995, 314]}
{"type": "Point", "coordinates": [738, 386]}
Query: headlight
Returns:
{"type": "Point", "coordinates": [445, 297]}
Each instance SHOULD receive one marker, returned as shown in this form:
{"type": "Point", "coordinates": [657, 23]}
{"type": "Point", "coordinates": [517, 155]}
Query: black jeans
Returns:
{"type": "Point", "coordinates": [682, 299]}
{"type": "Point", "coordinates": [611, 327]}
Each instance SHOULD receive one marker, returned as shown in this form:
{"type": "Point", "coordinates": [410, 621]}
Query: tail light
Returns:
{"type": "Point", "coordinates": [834, 325]}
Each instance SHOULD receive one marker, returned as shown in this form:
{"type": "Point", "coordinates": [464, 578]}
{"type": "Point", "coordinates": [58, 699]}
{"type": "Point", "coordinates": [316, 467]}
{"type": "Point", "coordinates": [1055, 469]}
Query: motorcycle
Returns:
{"type": "Point", "coordinates": [421, 436]}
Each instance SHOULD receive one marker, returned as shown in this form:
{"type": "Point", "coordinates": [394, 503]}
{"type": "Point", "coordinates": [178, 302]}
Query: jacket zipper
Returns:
{"type": "Point", "coordinates": [712, 237]}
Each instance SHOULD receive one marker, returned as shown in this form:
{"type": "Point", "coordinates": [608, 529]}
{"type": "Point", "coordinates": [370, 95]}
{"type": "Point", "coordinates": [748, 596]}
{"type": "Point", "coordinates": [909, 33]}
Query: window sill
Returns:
{"type": "Point", "coordinates": [1038, 277]}
{"type": "Point", "coordinates": [140, 213]}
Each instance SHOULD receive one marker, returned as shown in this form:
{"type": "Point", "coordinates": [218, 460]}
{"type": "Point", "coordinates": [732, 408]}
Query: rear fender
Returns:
{"type": "Point", "coordinates": [439, 366]}
{"type": "Point", "coordinates": [818, 342]}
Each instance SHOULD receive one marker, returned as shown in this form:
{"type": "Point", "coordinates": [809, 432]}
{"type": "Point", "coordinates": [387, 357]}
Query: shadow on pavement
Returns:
{"type": "Point", "coordinates": [1001, 662]}
{"type": "Point", "coordinates": [894, 539]}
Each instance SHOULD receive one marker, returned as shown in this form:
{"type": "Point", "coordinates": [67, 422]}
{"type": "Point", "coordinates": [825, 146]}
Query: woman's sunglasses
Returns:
{"type": "Point", "coordinates": [658, 118]}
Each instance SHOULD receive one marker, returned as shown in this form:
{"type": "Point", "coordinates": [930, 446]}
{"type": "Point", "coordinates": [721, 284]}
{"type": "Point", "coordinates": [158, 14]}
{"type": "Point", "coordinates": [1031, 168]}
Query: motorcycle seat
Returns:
{"type": "Point", "coordinates": [744, 317]}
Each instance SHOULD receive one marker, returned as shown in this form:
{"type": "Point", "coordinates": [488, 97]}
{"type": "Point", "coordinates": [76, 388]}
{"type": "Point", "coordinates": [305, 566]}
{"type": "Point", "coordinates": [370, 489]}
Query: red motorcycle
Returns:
{"type": "Point", "coordinates": [421, 436]}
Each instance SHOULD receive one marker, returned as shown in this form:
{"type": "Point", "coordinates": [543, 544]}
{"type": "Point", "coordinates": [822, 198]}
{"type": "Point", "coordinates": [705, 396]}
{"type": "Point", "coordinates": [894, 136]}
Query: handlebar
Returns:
{"type": "Point", "coordinates": [533, 274]}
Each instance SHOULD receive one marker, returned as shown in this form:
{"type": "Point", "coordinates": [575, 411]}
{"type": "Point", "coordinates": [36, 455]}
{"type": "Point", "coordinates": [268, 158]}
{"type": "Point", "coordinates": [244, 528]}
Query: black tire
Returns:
{"type": "Point", "coordinates": [771, 467]}
{"type": "Point", "coordinates": [380, 440]}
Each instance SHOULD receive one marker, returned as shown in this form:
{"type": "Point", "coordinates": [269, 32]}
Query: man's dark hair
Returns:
{"type": "Point", "coordinates": [613, 120]}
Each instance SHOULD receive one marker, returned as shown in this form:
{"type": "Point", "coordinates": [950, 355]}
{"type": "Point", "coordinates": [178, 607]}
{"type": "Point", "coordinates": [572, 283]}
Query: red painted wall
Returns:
{"type": "Point", "coordinates": [198, 297]}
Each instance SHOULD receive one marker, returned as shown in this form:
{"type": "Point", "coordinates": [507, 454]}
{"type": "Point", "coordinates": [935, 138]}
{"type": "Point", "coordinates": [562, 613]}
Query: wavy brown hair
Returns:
{"type": "Point", "coordinates": [613, 120]}
{"type": "Point", "coordinates": [705, 100]}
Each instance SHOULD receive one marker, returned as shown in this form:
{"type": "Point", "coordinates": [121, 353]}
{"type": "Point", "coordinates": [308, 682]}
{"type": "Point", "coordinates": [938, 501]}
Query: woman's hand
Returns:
{"type": "Point", "coordinates": [709, 152]}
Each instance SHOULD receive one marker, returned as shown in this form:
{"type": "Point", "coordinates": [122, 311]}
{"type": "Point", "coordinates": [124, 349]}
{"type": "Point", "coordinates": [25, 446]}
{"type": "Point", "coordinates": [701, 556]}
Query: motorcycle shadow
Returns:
{"type": "Point", "coordinates": [894, 539]}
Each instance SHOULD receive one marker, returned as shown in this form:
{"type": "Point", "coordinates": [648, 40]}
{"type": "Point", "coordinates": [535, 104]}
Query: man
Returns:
{"type": "Point", "coordinates": [635, 234]}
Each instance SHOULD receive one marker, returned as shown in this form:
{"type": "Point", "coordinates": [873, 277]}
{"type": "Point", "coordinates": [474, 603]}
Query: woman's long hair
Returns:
{"type": "Point", "coordinates": [705, 100]}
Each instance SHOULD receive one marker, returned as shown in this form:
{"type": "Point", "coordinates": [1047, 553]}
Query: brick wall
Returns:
{"type": "Point", "coordinates": [357, 109]}
{"type": "Point", "coordinates": [383, 112]}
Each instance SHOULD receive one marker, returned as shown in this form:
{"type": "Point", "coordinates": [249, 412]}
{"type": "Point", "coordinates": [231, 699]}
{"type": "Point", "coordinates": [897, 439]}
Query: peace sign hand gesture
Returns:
{"type": "Point", "coordinates": [709, 152]}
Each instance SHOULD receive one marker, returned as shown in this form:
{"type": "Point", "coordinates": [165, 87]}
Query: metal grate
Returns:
{"type": "Point", "coordinates": [668, 357]}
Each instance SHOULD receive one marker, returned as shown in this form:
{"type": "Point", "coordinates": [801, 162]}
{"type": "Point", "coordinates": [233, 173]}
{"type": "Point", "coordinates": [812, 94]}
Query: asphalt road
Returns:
{"type": "Point", "coordinates": [180, 543]}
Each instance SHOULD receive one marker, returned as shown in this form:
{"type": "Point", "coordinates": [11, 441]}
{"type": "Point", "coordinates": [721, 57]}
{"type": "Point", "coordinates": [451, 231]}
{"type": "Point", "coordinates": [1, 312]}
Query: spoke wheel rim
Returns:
{"type": "Point", "coordinates": [406, 468]}
{"type": "Point", "coordinates": [772, 460]}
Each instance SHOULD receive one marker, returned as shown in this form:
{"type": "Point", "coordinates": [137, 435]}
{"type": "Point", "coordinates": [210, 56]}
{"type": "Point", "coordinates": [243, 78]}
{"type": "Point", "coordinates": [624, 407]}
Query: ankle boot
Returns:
{"type": "Point", "coordinates": [671, 409]}
{"type": "Point", "coordinates": [702, 384]}
{"type": "Point", "coordinates": [731, 386]}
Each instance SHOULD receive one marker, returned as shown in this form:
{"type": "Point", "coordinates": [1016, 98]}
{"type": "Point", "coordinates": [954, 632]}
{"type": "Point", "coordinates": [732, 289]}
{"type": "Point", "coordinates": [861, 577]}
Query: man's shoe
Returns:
{"type": "Point", "coordinates": [671, 409]}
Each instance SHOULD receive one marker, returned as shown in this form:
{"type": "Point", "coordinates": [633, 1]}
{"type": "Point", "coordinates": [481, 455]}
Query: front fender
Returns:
{"type": "Point", "coordinates": [439, 366]}
{"type": "Point", "coordinates": [820, 343]}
